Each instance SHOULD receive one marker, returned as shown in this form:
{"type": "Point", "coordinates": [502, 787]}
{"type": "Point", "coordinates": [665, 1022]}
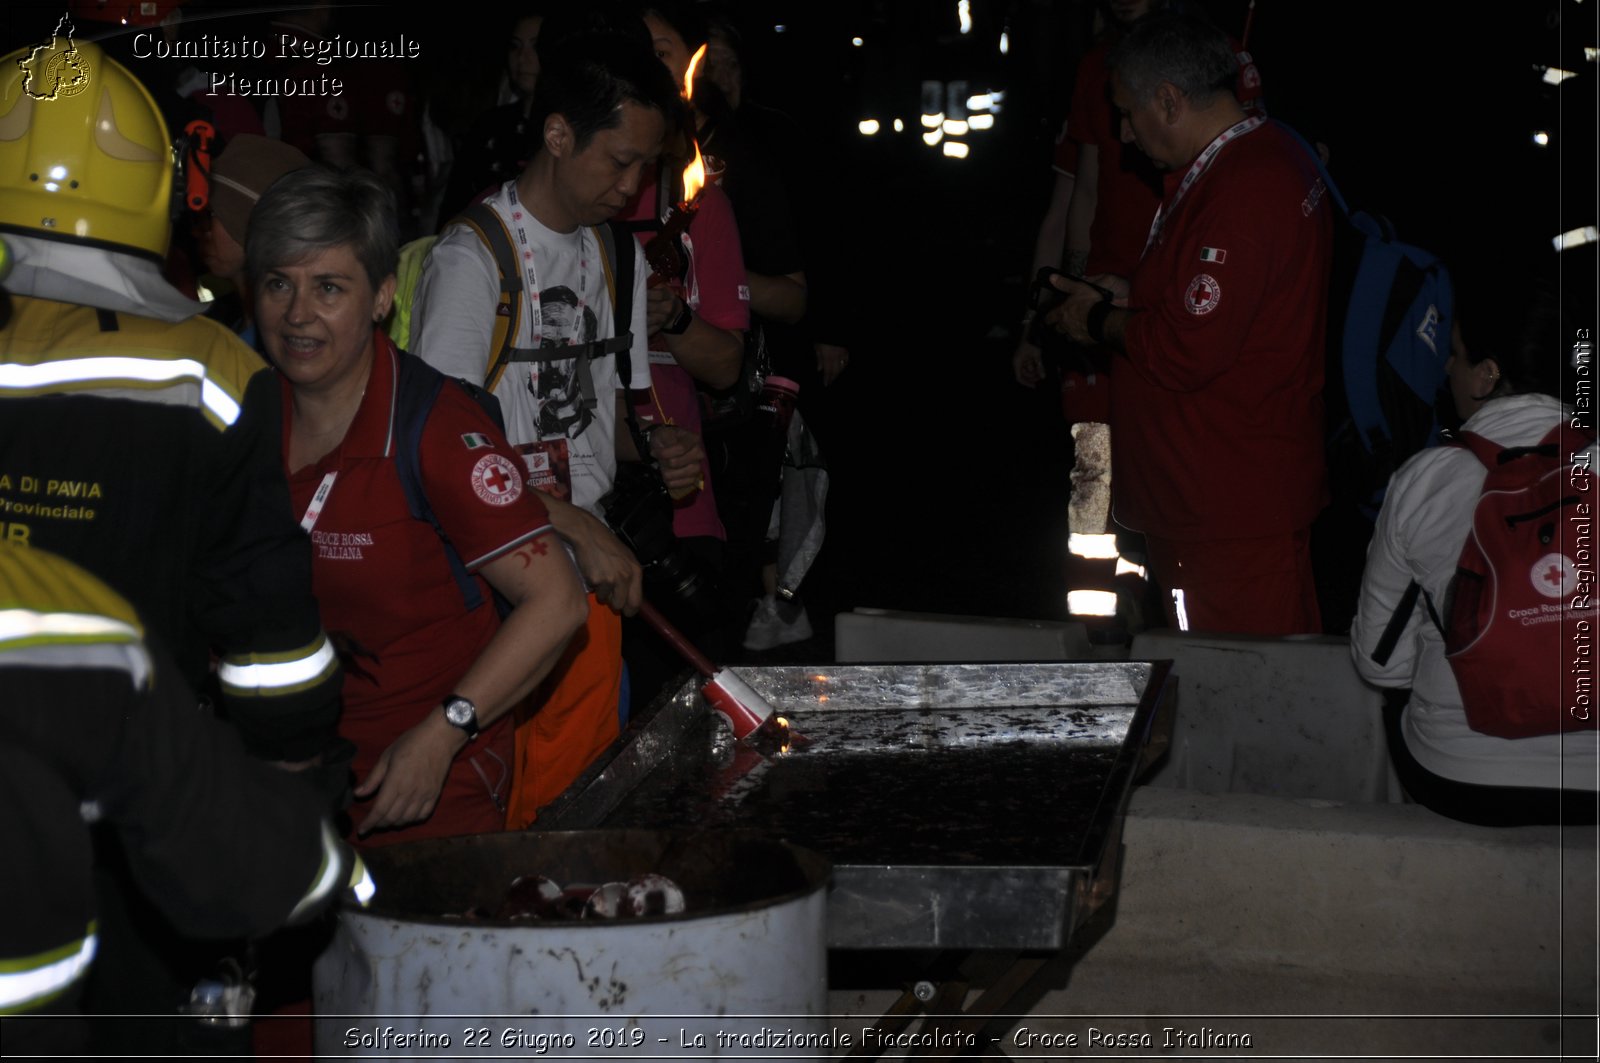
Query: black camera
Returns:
{"type": "Point", "coordinates": [1044, 297]}
{"type": "Point", "coordinates": [639, 510]}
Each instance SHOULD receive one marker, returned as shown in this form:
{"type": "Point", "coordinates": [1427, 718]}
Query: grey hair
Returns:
{"type": "Point", "coordinates": [316, 208]}
{"type": "Point", "coordinates": [1185, 50]}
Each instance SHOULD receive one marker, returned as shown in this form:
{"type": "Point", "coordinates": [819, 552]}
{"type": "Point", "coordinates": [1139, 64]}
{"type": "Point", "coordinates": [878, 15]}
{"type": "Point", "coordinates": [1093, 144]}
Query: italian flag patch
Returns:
{"type": "Point", "coordinates": [476, 441]}
{"type": "Point", "coordinates": [1213, 254]}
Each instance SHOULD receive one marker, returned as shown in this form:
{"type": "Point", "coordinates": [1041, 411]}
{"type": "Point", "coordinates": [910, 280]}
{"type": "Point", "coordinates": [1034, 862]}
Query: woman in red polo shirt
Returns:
{"type": "Point", "coordinates": [428, 682]}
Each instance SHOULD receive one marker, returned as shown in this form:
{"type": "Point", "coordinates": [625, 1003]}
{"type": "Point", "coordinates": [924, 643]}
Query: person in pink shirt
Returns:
{"type": "Point", "coordinates": [696, 319]}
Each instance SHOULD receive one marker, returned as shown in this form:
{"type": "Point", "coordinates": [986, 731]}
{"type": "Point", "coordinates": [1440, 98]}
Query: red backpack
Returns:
{"type": "Point", "coordinates": [1521, 613]}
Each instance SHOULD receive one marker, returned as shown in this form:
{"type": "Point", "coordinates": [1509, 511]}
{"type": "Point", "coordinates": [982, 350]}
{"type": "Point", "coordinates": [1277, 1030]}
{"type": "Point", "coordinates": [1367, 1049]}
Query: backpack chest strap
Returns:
{"type": "Point", "coordinates": [583, 353]}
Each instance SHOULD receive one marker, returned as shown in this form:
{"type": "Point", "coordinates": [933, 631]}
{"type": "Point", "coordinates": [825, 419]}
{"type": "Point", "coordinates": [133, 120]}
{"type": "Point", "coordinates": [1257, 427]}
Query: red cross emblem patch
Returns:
{"type": "Point", "coordinates": [1554, 576]}
{"type": "Point", "coordinates": [496, 480]}
{"type": "Point", "coordinates": [1203, 295]}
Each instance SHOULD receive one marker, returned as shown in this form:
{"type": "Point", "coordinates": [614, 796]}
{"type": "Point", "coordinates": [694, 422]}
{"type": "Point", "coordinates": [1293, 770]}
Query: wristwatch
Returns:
{"type": "Point", "coordinates": [460, 712]}
{"type": "Point", "coordinates": [680, 324]}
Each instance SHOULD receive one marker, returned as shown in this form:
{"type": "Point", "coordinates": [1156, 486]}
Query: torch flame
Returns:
{"type": "Point", "coordinates": [688, 77]}
{"type": "Point", "coordinates": [694, 174]}
{"type": "Point", "coordinates": [694, 177]}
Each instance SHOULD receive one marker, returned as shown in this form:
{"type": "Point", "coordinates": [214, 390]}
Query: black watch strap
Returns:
{"type": "Point", "coordinates": [680, 324]}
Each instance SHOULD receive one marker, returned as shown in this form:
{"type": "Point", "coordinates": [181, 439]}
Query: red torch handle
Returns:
{"type": "Point", "coordinates": [676, 640]}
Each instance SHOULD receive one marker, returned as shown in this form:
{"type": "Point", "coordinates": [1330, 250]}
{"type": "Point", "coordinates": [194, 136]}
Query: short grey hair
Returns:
{"type": "Point", "coordinates": [317, 208]}
{"type": "Point", "coordinates": [1185, 50]}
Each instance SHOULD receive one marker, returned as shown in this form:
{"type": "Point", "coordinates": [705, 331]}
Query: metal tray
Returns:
{"type": "Point", "coordinates": [962, 805]}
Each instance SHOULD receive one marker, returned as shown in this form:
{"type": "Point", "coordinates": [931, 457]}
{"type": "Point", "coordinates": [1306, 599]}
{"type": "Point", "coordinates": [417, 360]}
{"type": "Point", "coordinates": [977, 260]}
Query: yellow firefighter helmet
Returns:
{"type": "Point", "coordinates": [84, 153]}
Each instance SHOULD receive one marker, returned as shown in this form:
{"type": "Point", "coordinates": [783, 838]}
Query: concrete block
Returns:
{"type": "Point", "coordinates": [1388, 892]}
{"type": "Point", "coordinates": [1283, 716]}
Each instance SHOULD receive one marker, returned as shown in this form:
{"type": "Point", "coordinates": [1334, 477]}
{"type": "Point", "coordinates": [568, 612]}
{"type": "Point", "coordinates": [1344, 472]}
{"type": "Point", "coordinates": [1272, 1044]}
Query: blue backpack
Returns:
{"type": "Point", "coordinates": [1391, 309]}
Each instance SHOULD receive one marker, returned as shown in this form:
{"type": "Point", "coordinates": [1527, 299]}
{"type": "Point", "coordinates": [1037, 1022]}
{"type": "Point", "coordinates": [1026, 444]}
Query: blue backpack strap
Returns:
{"type": "Point", "coordinates": [1327, 179]}
{"type": "Point", "coordinates": [417, 390]}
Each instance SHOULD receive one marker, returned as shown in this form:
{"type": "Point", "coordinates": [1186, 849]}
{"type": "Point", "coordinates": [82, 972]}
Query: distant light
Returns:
{"type": "Point", "coordinates": [955, 99]}
{"type": "Point", "coordinates": [868, 126]}
{"type": "Point", "coordinates": [955, 127]}
{"type": "Point", "coordinates": [933, 138]}
{"type": "Point", "coordinates": [899, 126]}
{"type": "Point", "coordinates": [1126, 567]}
{"type": "Point", "coordinates": [981, 121]}
{"type": "Point", "coordinates": [997, 95]}
{"type": "Point", "coordinates": [1094, 547]}
{"type": "Point", "coordinates": [1092, 603]}
{"type": "Point", "coordinates": [780, 29]}
{"type": "Point", "coordinates": [980, 102]}
{"type": "Point", "coordinates": [954, 149]}
{"type": "Point", "coordinates": [1588, 234]}
{"type": "Point", "coordinates": [1554, 75]}
{"type": "Point", "coordinates": [1005, 43]}
{"type": "Point", "coordinates": [1591, 54]}
{"type": "Point", "coordinates": [1177, 607]}
{"type": "Point", "coordinates": [964, 13]}
{"type": "Point", "coordinates": [1542, 139]}
{"type": "Point", "coordinates": [857, 41]}
{"type": "Point", "coordinates": [932, 121]}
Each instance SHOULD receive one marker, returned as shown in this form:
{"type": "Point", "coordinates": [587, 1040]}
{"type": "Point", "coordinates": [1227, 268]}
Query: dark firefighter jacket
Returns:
{"type": "Point", "coordinates": [148, 453]}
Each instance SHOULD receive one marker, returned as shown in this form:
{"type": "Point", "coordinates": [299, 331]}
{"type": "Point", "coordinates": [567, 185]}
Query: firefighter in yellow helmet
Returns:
{"type": "Point", "coordinates": [98, 728]}
{"type": "Point", "coordinates": [141, 441]}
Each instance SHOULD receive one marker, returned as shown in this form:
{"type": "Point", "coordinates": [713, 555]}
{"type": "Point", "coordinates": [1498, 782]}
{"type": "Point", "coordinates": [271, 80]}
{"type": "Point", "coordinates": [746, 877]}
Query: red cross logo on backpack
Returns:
{"type": "Point", "coordinates": [1517, 598]}
{"type": "Point", "coordinates": [1554, 576]}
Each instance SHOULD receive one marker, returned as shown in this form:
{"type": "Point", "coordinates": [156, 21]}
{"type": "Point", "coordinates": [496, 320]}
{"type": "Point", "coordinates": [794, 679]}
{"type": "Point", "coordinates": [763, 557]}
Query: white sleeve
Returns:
{"type": "Point", "coordinates": [639, 357]}
{"type": "Point", "coordinates": [1383, 583]}
{"type": "Point", "coordinates": [1426, 514]}
{"type": "Point", "coordinates": [452, 318]}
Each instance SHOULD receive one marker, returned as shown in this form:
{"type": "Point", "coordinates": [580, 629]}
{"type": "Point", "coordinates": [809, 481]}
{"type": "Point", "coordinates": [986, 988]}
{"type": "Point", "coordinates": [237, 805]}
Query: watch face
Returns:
{"type": "Point", "coordinates": [460, 712]}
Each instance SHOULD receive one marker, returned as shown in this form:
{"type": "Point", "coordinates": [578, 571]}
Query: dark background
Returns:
{"type": "Point", "coordinates": [949, 481]}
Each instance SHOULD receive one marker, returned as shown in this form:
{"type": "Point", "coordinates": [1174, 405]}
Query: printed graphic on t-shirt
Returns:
{"type": "Point", "coordinates": [555, 387]}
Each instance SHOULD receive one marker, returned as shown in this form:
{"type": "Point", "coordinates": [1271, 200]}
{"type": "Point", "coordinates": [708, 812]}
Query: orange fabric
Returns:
{"type": "Point", "coordinates": [565, 724]}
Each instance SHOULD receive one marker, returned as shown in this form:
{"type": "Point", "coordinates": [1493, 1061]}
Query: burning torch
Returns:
{"type": "Point", "coordinates": [664, 251]}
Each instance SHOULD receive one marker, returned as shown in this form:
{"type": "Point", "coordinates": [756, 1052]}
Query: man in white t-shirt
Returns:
{"type": "Point", "coordinates": [601, 109]}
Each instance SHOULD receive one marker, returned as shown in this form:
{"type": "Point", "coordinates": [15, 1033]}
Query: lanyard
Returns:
{"type": "Point", "coordinates": [1196, 169]}
{"type": "Point", "coordinates": [318, 501]}
{"type": "Point", "coordinates": [525, 244]}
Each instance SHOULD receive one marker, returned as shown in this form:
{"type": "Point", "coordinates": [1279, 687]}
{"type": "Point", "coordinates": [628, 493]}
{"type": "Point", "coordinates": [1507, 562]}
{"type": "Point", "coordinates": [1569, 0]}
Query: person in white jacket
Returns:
{"type": "Point", "coordinates": [1505, 376]}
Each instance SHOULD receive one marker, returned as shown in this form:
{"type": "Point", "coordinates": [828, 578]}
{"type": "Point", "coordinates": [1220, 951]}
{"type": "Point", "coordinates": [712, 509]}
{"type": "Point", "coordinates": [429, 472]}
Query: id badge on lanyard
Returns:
{"type": "Point", "coordinates": [319, 501]}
